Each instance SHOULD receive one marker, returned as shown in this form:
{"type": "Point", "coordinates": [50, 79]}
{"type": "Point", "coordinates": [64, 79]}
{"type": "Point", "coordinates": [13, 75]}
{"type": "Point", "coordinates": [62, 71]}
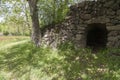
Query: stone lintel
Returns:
{"type": "Point", "coordinates": [113, 28]}
{"type": "Point", "coordinates": [101, 19]}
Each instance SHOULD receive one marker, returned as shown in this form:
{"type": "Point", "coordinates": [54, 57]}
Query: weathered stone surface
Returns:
{"type": "Point", "coordinates": [78, 37]}
{"type": "Point", "coordinates": [85, 16]}
{"type": "Point", "coordinates": [118, 12]}
{"type": "Point", "coordinates": [113, 33]}
{"type": "Point", "coordinates": [75, 25]}
{"type": "Point", "coordinates": [114, 28]}
{"type": "Point", "coordinates": [109, 4]}
{"type": "Point", "coordinates": [118, 18]}
{"type": "Point", "coordinates": [115, 21]}
{"type": "Point", "coordinates": [115, 6]}
{"type": "Point", "coordinates": [109, 24]}
{"type": "Point", "coordinates": [110, 12]}
{"type": "Point", "coordinates": [98, 20]}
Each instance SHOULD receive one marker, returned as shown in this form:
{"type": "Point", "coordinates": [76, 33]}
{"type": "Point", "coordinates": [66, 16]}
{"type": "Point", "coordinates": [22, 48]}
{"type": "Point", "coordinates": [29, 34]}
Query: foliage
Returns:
{"type": "Point", "coordinates": [6, 33]}
{"type": "Point", "coordinates": [52, 11]}
{"type": "Point", "coordinates": [15, 15]}
{"type": "Point", "coordinates": [26, 62]}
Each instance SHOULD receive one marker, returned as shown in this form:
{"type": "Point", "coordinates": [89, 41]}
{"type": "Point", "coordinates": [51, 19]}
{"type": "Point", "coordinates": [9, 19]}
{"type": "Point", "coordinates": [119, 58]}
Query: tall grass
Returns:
{"type": "Point", "coordinates": [26, 62]}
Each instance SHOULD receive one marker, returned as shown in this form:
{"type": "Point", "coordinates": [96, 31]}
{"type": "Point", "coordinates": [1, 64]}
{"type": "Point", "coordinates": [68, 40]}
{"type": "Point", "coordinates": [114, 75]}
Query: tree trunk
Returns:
{"type": "Point", "coordinates": [36, 33]}
{"type": "Point", "coordinates": [27, 20]}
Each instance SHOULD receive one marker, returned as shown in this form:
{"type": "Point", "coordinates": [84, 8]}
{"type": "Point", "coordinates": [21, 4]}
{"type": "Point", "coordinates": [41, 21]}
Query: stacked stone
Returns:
{"type": "Point", "coordinates": [102, 11]}
{"type": "Point", "coordinates": [73, 28]}
{"type": "Point", "coordinates": [114, 39]}
{"type": "Point", "coordinates": [53, 35]}
{"type": "Point", "coordinates": [113, 14]}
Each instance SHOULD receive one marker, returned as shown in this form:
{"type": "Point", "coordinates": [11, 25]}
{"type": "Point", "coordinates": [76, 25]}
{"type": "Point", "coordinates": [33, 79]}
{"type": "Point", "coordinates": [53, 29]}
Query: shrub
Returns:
{"type": "Point", "coordinates": [5, 33]}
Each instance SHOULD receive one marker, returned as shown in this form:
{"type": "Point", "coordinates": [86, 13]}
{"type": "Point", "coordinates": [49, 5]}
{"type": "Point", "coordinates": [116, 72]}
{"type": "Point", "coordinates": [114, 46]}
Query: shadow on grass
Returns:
{"type": "Point", "coordinates": [26, 62]}
{"type": "Point", "coordinates": [82, 64]}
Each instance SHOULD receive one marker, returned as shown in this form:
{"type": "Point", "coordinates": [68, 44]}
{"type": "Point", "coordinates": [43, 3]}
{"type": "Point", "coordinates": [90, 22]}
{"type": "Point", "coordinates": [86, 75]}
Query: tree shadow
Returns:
{"type": "Point", "coordinates": [21, 59]}
{"type": "Point", "coordinates": [26, 62]}
{"type": "Point", "coordinates": [82, 64]}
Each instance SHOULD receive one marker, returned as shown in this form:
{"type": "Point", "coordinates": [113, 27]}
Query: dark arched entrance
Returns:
{"type": "Point", "coordinates": [96, 35]}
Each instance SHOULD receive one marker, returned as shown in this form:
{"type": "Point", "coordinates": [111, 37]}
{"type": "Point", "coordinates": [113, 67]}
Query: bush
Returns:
{"type": "Point", "coordinates": [6, 33]}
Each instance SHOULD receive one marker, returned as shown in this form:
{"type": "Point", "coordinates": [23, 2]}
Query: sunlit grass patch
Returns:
{"type": "Point", "coordinates": [10, 39]}
{"type": "Point", "coordinates": [26, 62]}
{"type": "Point", "coordinates": [25, 59]}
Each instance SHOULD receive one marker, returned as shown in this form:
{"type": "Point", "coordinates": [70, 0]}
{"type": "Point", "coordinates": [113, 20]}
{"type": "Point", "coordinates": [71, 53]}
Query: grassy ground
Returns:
{"type": "Point", "coordinates": [6, 40]}
{"type": "Point", "coordinates": [26, 62]}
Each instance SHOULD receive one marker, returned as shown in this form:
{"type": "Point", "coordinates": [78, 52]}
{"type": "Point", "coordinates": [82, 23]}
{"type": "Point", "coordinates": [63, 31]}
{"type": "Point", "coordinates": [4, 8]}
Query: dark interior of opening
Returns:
{"type": "Point", "coordinates": [96, 36]}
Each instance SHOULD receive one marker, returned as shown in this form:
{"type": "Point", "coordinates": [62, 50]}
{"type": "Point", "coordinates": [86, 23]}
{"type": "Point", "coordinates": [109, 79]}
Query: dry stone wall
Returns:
{"type": "Point", "coordinates": [75, 25]}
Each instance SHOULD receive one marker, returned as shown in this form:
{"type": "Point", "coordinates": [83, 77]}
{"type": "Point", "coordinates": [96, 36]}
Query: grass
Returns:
{"type": "Point", "coordinates": [9, 41]}
{"type": "Point", "coordinates": [4, 40]}
{"type": "Point", "coordinates": [26, 62]}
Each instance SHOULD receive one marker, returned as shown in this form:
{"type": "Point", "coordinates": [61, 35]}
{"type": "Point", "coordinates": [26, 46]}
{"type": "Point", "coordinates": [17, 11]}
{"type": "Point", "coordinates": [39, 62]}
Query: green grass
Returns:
{"type": "Point", "coordinates": [26, 62]}
{"type": "Point", "coordinates": [5, 40]}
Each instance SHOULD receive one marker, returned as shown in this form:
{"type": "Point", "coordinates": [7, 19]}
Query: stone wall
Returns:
{"type": "Point", "coordinates": [74, 27]}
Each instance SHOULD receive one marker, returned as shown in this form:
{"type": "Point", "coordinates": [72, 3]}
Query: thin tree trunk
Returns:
{"type": "Point", "coordinates": [27, 20]}
{"type": "Point", "coordinates": [36, 33]}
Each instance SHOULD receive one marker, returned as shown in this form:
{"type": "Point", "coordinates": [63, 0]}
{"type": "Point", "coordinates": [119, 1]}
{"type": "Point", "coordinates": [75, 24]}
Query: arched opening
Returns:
{"type": "Point", "coordinates": [96, 36]}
